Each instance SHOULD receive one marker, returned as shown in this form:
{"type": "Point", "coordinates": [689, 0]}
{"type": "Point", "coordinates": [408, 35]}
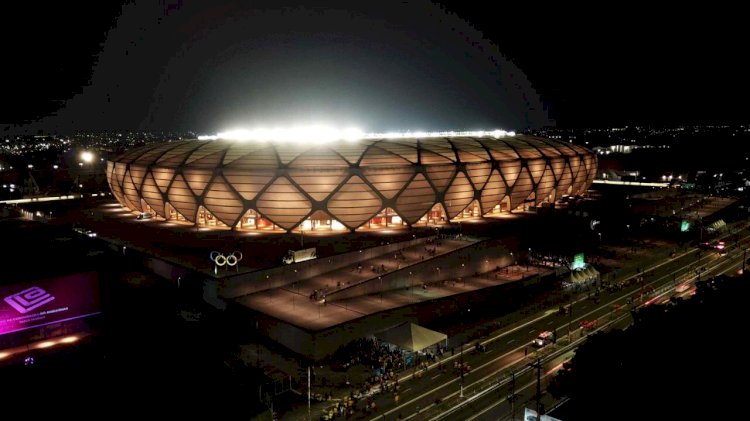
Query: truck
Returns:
{"type": "Point", "coordinates": [296, 256]}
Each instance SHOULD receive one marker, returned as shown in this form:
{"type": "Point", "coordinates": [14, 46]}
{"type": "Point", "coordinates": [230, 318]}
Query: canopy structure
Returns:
{"type": "Point", "coordinates": [717, 226]}
{"type": "Point", "coordinates": [411, 337]}
{"type": "Point", "coordinates": [584, 275]}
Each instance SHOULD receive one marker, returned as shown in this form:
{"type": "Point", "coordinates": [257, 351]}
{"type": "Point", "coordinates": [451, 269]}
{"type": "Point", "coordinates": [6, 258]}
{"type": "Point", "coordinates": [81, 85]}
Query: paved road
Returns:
{"type": "Point", "coordinates": [496, 405]}
{"type": "Point", "coordinates": [506, 350]}
{"type": "Point", "coordinates": [509, 350]}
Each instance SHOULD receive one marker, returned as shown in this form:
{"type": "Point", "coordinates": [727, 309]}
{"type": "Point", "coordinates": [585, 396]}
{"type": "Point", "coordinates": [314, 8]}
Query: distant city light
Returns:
{"type": "Point", "coordinates": [30, 166]}
{"type": "Point", "coordinates": [318, 134]}
{"type": "Point", "coordinates": [55, 166]}
{"type": "Point", "coordinates": [87, 156]}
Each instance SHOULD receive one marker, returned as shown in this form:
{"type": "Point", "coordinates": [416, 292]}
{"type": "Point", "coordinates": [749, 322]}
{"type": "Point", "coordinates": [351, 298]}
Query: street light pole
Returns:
{"type": "Point", "coordinates": [538, 366]}
{"type": "Point", "coordinates": [512, 397]}
{"type": "Point", "coordinates": [570, 319]}
{"type": "Point", "coordinates": [462, 370]}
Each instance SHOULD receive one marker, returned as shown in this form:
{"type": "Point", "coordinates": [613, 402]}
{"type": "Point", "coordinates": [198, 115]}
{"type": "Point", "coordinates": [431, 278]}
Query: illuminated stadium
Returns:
{"type": "Point", "coordinates": [349, 182]}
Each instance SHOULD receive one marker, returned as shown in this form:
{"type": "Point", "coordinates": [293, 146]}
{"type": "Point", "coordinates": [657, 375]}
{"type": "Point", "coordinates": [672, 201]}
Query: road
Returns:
{"type": "Point", "coordinates": [496, 405]}
{"type": "Point", "coordinates": [437, 394]}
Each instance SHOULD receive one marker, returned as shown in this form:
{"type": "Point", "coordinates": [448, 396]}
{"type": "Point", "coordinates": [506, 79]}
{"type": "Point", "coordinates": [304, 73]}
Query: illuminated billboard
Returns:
{"type": "Point", "coordinates": [33, 304]}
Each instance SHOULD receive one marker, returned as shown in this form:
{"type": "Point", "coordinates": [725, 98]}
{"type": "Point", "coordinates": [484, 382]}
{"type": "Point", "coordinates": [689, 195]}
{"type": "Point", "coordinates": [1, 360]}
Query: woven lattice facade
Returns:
{"type": "Point", "coordinates": [348, 182]}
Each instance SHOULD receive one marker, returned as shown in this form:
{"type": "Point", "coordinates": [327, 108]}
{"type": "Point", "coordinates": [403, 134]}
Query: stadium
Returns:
{"type": "Point", "coordinates": [373, 182]}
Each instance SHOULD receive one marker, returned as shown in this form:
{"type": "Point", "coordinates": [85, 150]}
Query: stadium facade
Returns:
{"type": "Point", "coordinates": [366, 184]}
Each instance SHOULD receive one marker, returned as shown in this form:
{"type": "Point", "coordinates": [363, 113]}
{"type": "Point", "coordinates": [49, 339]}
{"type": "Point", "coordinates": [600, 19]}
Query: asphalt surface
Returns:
{"type": "Point", "coordinates": [437, 393]}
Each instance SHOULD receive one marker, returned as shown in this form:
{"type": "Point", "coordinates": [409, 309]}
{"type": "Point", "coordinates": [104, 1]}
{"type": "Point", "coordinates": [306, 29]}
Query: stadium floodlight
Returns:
{"type": "Point", "coordinates": [314, 134]}
{"type": "Point", "coordinates": [322, 134]}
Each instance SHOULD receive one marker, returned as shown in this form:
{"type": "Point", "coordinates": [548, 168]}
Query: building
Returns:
{"type": "Point", "coordinates": [374, 182]}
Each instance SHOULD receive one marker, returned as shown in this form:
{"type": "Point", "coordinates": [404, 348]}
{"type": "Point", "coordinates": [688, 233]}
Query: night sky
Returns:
{"type": "Point", "coordinates": [174, 65]}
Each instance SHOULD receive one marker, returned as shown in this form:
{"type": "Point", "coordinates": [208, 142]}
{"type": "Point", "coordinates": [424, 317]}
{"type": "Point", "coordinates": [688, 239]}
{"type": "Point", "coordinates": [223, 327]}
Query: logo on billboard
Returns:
{"type": "Point", "coordinates": [29, 299]}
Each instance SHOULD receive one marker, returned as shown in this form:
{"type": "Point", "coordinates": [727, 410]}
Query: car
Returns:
{"type": "Point", "coordinates": [145, 215]}
{"type": "Point", "coordinates": [543, 339]}
{"type": "Point", "coordinates": [589, 324]}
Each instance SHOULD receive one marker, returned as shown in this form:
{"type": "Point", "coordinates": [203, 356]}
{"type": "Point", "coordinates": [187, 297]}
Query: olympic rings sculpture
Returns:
{"type": "Point", "coordinates": [229, 260]}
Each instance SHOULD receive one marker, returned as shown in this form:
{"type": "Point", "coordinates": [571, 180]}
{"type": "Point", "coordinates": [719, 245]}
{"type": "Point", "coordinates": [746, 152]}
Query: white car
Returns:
{"type": "Point", "coordinates": [543, 339]}
{"type": "Point", "coordinates": [145, 215]}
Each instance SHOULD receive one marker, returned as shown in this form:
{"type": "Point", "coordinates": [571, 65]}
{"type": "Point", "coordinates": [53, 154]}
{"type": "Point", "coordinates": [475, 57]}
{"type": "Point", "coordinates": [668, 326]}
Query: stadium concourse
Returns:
{"type": "Point", "coordinates": [350, 302]}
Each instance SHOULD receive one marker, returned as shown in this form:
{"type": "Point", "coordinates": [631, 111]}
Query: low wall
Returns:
{"type": "Point", "coordinates": [480, 257]}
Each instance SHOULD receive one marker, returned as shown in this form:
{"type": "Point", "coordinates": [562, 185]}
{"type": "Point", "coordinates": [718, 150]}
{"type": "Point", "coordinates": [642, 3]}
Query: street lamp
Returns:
{"type": "Point", "coordinates": [461, 367]}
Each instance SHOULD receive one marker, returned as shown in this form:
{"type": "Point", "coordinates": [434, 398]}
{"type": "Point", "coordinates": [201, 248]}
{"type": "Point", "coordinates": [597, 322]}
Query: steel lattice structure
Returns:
{"type": "Point", "coordinates": [350, 182]}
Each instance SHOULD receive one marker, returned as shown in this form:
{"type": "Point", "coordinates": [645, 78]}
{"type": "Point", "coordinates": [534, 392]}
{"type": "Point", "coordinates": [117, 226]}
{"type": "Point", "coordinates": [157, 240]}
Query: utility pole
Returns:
{"type": "Point", "coordinates": [512, 396]}
{"type": "Point", "coordinates": [308, 393]}
{"type": "Point", "coordinates": [257, 346]}
{"type": "Point", "coordinates": [538, 397]}
{"type": "Point", "coordinates": [462, 370]}
{"type": "Point", "coordinates": [570, 319]}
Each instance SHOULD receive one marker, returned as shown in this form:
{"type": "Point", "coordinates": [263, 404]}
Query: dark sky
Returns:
{"type": "Point", "coordinates": [376, 65]}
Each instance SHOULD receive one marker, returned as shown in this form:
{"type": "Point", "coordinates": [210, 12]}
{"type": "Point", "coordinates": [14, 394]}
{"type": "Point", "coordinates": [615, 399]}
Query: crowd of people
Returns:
{"type": "Point", "coordinates": [384, 362]}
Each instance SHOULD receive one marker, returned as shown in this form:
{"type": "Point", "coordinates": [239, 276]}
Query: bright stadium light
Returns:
{"type": "Point", "coordinates": [87, 156]}
{"type": "Point", "coordinates": [314, 134]}
{"type": "Point", "coordinates": [322, 134]}
{"type": "Point", "coordinates": [426, 135]}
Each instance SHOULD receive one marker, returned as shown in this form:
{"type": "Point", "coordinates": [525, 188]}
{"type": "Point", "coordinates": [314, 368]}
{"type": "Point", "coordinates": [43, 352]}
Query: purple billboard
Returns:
{"type": "Point", "coordinates": [34, 304]}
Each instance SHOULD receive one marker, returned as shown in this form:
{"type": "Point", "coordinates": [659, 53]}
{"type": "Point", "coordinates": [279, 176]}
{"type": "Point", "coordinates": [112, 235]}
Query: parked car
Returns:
{"type": "Point", "coordinates": [145, 215]}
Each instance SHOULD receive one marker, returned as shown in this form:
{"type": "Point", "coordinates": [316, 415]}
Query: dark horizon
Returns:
{"type": "Point", "coordinates": [432, 66]}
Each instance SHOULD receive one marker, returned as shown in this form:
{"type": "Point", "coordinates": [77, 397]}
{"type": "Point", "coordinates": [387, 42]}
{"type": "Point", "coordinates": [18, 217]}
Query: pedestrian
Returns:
{"type": "Point", "coordinates": [525, 351]}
